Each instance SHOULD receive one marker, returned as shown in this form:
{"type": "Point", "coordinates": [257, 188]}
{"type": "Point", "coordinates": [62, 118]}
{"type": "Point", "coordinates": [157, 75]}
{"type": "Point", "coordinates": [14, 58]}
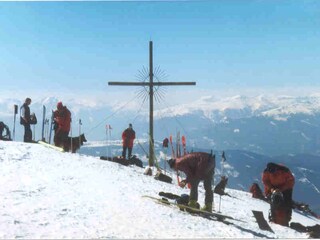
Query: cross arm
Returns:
{"type": "Point", "coordinates": [148, 83]}
{"type": "Point", "coordinates": [129, 83]}
{"type": "Point", "coordinates": [173, 83]}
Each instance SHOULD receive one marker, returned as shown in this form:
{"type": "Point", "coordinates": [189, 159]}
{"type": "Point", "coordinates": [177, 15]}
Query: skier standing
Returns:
{"type": "Point", "coordinates": [62, 118]}
{"type": "Point", "coordinates": [128, 137]}
{"type": "Point", "coordinates": [25, 120]}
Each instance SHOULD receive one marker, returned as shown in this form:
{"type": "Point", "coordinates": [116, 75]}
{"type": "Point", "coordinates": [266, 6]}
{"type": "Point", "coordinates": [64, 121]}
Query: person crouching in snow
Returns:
{"type": "Point", "coordinates": [278, 186]}
{"type": "Point", "coordinates": [198, 166]}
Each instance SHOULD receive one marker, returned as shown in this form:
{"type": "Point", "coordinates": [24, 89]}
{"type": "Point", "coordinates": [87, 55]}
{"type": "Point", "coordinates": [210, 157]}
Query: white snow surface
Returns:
{"type": "Point", "coordinates": [48, 194]}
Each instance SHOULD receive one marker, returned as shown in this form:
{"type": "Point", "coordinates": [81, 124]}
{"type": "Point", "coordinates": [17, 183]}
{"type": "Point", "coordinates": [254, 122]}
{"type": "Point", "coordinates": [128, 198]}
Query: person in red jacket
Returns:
{"type": "Point", "coordinates": [128, 137]}
{"type": "Point", "coordinates": [278, 186]}
{"type": "Point", "coordinates": [198, 166]}
{"type": "Point", "coordinates": [62, 118]}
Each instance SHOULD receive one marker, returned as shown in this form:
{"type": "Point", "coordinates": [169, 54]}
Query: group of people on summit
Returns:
{"type": "Point", "coordinates": [61, 118]}
{"type": "Point", "coordinates": [198, 166]}
{"type": "Point", "coordinates": [277, 179]}
{"type": "Point", "coordinates": [62, 126]}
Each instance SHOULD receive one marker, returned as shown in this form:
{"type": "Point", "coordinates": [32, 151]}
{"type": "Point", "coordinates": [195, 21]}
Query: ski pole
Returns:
{"type": "Point", "coordinates": [165, 159]}
{"type": "Point", "coordinates": [43, 122]}
{"type": "Point", "coordinates": [183, 139]}
{"type": "Point", "coordinates": [172, 149]}
{"type": "Point", "coordinates": [107, 139]}
{"type": "Point", "coordinates": [80, 123]}
{"type": "Point", "coordinates": [34, 132]}
{"type": "Point", "coordinates": [71, 134]}
{"type": "Point", "coordinates": [110, 149]}
{"type": "Point", "coordinates": [14, 120]}
{"type": "Point", "coordinates": [154, 153]}
{"type": "Point", "coordinates": [142, 148]}
{"type": "Point", "coordinates": [173, 156]}
{"type": "Point", "coordinates": [223, 158]}
{"type": "Point", "coordinates": [51, 126]}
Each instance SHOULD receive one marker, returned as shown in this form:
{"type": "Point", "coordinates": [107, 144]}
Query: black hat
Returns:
{"type": "Point", "coordinates": [171, 162]}
{"type": "Point", "coordinates": [272, 167]}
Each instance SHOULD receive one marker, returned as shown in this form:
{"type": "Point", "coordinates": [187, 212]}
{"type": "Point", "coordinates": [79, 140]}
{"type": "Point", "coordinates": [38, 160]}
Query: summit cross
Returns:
{"type": "Point", "coordinates": [150, 84]}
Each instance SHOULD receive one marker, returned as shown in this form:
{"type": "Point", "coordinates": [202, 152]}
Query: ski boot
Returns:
{"type": "Point", "coordinates": [193, 204]}
{"type": "Point", "coordinates": [207, 207]}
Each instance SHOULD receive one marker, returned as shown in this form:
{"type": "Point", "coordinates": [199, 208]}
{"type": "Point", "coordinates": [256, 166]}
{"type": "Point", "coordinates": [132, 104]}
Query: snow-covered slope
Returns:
{"type": "Point", "coordinates": [242, 168]}
{"type": "Point", "coordinates": [48, 194]}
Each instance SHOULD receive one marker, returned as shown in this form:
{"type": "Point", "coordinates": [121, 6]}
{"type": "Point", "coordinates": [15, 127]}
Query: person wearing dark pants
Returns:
{"type": "Point", "coordinates": [207, 184]}
{"type": "Point", "coordinates": [128, 137]}
{"type": "Point", "coordinates": [277, 179]}
{"type": "Point", "coordinates": [62, 119]}
{"type": "Point", "coordinates": [198, 166]}
{"type": "Point", "coordinates": [25, 120]}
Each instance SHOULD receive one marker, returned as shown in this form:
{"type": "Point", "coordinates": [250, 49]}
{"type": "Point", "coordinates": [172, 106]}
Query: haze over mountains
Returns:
{"type": "Point", "coordinates": [267, 125]}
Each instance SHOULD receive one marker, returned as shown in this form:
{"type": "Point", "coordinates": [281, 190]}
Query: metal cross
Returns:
{"type": "Point", "coordinates": [151, 84]}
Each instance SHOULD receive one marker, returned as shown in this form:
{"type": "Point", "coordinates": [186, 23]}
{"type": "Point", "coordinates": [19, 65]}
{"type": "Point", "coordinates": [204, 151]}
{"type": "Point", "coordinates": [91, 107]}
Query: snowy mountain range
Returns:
{"type": "Point", "coordinates": [268, 125]}
{"type": "Point", "coordinates": [252, 131]}
{"type": "Point", "coordinates": [49, 194]}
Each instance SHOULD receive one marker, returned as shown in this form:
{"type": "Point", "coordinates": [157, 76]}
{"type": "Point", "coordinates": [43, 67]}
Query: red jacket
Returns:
{"type": "Point", "coordinates": [128, 136]}
{"type": "Point", "coordinates": [195, 165]}
{"type": "Point", "coordinates": [277, 177]}
{"type": "Point", "coordinates": [63, 119]}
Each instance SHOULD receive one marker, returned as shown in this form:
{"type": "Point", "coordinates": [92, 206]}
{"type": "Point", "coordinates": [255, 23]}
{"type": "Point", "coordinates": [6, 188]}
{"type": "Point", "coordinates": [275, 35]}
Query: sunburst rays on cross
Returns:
{"type": "Point", "coordinates": [151, 89]}
{"type": "Point", "coordinates": [159, 75]}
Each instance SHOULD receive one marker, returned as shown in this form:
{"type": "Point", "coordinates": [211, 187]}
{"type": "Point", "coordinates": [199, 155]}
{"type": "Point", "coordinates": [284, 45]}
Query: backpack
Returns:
{"type": "Point", "coordinates": [256, 191]}
{"type": "Point", "coordinates": [33, 119]}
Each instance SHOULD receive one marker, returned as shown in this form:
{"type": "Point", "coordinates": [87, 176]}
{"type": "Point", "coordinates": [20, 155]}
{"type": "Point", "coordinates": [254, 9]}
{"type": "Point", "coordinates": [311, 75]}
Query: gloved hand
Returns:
{"type": "Point", "coordinates": [183, 183]}
{"type": "Point", "coordinates": [273, 190]}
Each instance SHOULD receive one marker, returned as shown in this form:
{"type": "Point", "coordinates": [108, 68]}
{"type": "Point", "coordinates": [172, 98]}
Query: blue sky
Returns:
{"type": "Point", "coordinates": [222, 45]}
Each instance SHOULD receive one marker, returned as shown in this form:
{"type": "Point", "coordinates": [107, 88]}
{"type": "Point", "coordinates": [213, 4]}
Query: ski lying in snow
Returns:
{"type": "Point", "coordinates": [218, 216]}
{"type": "Point", "coordinates": [51, 146]}
{"type": "Point", "coordinates": [119, 160]}
{"type": "Point", "coordinates": [210, 216]}
{"type": "Point", "coordinates": [263, 224]}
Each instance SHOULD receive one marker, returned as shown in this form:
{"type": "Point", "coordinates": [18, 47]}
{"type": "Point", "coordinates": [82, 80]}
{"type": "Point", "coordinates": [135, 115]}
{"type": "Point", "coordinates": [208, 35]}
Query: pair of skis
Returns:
{"type": "Point", "coordinates": [214, 216]}
{"type": "Point", "coordinates": [178, 148]}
